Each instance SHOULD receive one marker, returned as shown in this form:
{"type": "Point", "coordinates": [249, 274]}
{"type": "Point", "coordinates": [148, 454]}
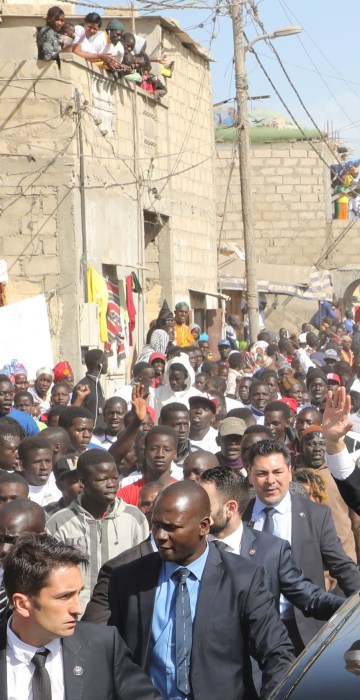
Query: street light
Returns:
{"type": "Point", "coordinates": [241, 85]}
{"type": "Point", "coordinates": [283, 31]}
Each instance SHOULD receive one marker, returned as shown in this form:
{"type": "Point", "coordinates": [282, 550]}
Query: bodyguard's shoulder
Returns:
{"type": "Point", "coordinates": [138, 566]}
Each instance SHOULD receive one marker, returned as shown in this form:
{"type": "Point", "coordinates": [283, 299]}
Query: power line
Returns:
{"type": "Point", "coordinates": [262, 27]}
{"type": "Point", "coordinates": [341, 107]}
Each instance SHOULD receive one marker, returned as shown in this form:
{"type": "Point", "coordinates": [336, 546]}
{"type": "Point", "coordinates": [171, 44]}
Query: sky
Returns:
{"type": "Point", "coordinates": [322, 61]}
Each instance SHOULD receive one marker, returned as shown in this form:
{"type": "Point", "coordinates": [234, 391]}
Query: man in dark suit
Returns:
{"type": "Point", "coordinates": [306, 525]}
{"type": "Point", "coordinates": [228, 493]}
{"type": "Point", "coordinates": [152, 597]}
{"type": "Point", "coordinates": [97, 609]}
{"type": "Point", "coordinates": [43, 650]}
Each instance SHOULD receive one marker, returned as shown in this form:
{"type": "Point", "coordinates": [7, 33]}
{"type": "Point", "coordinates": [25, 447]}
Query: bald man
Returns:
{"type": "Point", "coordinates": [16, 518]}
{"type": "Point", "coordinates": [153, 602]}
{"type": "Point", "coordinates": [197, 463]}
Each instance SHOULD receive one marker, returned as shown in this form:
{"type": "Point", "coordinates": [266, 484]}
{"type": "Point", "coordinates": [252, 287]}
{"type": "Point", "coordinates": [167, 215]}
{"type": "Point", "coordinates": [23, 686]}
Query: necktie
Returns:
{"type": "Point", "coordinates": [183, 631]}
{"type": "Point", "coordinates": [3, 600]}
{"type": "Point", "coordinates": [268, 522]}
{"type": "Point", "coordinates": [41, 684]}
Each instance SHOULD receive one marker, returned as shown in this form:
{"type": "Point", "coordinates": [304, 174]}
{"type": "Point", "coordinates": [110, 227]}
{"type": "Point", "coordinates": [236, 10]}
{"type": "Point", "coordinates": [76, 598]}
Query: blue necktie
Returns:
{"type": "Point", "coordinates": [269, 522]}
{"type": "Point", "coordinates": [183, 631]}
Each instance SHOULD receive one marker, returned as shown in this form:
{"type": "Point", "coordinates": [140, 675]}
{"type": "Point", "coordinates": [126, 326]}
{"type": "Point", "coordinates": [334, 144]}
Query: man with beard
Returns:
{"type": "Point", "coordinates": [228, 493]}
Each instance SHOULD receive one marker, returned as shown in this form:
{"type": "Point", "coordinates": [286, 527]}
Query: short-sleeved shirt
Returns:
{"type": "Point", "coordinates": [98, 43]}
{"type": "Point", "coordinates": [27, 422]}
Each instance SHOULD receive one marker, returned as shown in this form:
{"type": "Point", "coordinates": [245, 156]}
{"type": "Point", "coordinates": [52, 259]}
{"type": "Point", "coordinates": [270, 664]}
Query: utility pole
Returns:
{"type": "Point", "coordinates": [243, 139]}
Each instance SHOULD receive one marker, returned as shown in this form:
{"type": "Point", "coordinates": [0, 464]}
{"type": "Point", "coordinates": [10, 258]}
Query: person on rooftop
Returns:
{"type": "Point", "coordinates": [48, 38]}
{"type": "Point", "coordinates": [92, 44]}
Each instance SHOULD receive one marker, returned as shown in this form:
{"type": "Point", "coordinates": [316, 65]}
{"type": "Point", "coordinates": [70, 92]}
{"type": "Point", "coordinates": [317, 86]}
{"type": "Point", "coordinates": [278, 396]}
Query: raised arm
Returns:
{"type": "Point", "coordinates": [123, 444]}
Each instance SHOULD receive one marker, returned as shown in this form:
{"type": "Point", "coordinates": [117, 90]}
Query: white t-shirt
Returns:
{"type": "Point", "coordinates": [98, 43]}
{"type": "Point", "coordinates": [43, 495]}
{"type": "Point", "coordinates": [208, 442]}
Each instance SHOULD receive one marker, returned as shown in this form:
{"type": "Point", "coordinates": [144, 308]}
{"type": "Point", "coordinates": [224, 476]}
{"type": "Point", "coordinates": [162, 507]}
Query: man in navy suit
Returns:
{"type": "Point", "coordinates": [44, 653]}
{"type": "Point", "coordinates": [230, 610]}
{"type": "Point", "coordinates": [228, 493]}
{"type": "Point", "coordinates": [308, 527]}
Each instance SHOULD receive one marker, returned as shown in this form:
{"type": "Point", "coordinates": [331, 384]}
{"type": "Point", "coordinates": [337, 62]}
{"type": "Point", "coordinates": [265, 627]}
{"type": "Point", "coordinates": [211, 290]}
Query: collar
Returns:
{"type": "Point", "coordinates": [25, 652]}
{"type": "Point", "coordinates": [196, 567]}
{"type": "Point", "coordinates": [283, 507]}
{"type": "Point", "coordinates": [153, 543]}
{"type": "Point", "coordinates": [233, 541]}
{"type": "Point", "coordinates": [256, 411]}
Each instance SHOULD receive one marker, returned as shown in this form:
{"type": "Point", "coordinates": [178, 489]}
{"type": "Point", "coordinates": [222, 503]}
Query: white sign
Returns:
{"type": "Point", "coordinates": [25, 334]}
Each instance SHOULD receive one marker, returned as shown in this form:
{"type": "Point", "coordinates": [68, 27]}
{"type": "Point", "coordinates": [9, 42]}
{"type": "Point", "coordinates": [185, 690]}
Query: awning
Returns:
{"type": "Point", "coordinates": [292, 280]}
{"type": "Point", "coordinates": [210, 294]}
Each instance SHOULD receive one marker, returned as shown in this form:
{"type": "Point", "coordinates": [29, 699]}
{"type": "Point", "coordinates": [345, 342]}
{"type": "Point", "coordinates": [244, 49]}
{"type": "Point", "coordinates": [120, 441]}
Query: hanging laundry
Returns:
{"type": "Point", "coordinates": [114, 327]}
{"type": "Point", "coordinates": [130, 307]}
{"type": "Point", "coordinates": [124, 317]}
{"type": "Point", "coordinates": [98, 291]}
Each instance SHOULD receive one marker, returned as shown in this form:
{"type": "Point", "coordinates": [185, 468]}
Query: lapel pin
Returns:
{"type": "Point", "coordinates": [302, 515]}
{"type": "Point", "coordinates": [252, 552]}
{"type": "Point", "coordinates": [78, 670]}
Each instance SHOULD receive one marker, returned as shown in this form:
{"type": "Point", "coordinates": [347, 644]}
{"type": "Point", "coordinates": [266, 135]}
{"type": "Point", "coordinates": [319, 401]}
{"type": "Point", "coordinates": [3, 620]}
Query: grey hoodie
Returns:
{"type": "Point", "coordinates": [120, 529]}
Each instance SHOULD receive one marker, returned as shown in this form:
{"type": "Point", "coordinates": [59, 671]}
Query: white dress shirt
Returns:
{"type": "Point", "coordinates": [282, 528]}
{"type": "Point", "coordinates": [341, 465]}
{"type": "Point", "coordinates": [20, 670]}
{"type": "Point", "coordinates": [233, 541]}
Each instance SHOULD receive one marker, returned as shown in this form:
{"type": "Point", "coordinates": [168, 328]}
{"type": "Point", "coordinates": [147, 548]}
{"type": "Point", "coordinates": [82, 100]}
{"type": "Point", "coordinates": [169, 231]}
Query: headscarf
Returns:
{"type": "Point", "coordinates": [159, 341]}
{"type": "Point", "coordinates": [194, 325]}
{"type": "Point", "coordinates": [44, 370]}
{"type": "Point", "coordinates": [163, 314]}
{"type": "Point", "coordinates": [15, 367]}
{"type": "Point", "coordinates": [62, 371]}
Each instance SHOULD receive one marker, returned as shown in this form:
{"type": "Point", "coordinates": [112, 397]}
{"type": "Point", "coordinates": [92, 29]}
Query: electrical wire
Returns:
{"type": "Point", "coordinates": [273, 48]}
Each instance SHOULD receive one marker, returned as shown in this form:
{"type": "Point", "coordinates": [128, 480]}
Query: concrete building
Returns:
{"type": "Point", "coordinates": [294, 229]}
{"type": "Point", "coordinates": [96, 172]}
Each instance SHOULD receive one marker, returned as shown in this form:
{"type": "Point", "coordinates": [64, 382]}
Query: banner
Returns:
{"type": "Point", "coordinates": [25, 334]}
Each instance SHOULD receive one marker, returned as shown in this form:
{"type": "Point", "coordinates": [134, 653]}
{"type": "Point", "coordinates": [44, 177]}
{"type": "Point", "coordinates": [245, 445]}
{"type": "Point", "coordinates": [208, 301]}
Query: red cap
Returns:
{"type": "Point", "coordinates": [333, 376]}
{"type": "Point", "coordinates": [292, 403]}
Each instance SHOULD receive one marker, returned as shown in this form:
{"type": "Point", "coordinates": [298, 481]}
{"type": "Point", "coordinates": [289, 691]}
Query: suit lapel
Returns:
{"type": "Point", "coordinates": [248, 543]}
{"type": "Point", "coordinates": [74, 667]}
{"type": "Point", "coordinates": [298, 519]}
{"type": "Point", "coordinates": [3, 671]}
{"type": "Point", "coordinates": [147, 602]}
{"type": "Point", "coordinates": [210, 582]}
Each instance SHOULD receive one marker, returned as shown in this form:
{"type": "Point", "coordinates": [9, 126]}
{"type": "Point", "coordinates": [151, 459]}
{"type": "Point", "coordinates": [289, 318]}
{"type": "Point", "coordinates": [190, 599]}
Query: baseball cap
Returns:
{"type": "Point", "coordinates": [224, 343]}
{"type": "Point", "coordinates": [232, 426]}
{"type": "Point", "coordinates": [331, 354]}
{"type": "Point", "coordinates": [65, 465]}
{"type": "Point", "coordinates": [292, 403]}
{"type": "Point", "coordinates": [204, 398]}
{"type": "Point", "coordinates": [334, 377]}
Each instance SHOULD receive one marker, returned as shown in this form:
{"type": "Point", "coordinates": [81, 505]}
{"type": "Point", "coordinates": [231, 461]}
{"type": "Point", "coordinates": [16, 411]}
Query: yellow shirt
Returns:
{"type": "Point", "coordinates": [183, 335]}
{"type": "Point", "coordinates": [98, 291]}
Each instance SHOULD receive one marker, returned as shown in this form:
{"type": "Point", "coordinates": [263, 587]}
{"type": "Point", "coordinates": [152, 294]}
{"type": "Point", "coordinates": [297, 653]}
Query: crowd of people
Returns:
{"type": "Point", "coordinates": [143, 502]}
{"type": "Point", "coordinates": [119, 52]}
